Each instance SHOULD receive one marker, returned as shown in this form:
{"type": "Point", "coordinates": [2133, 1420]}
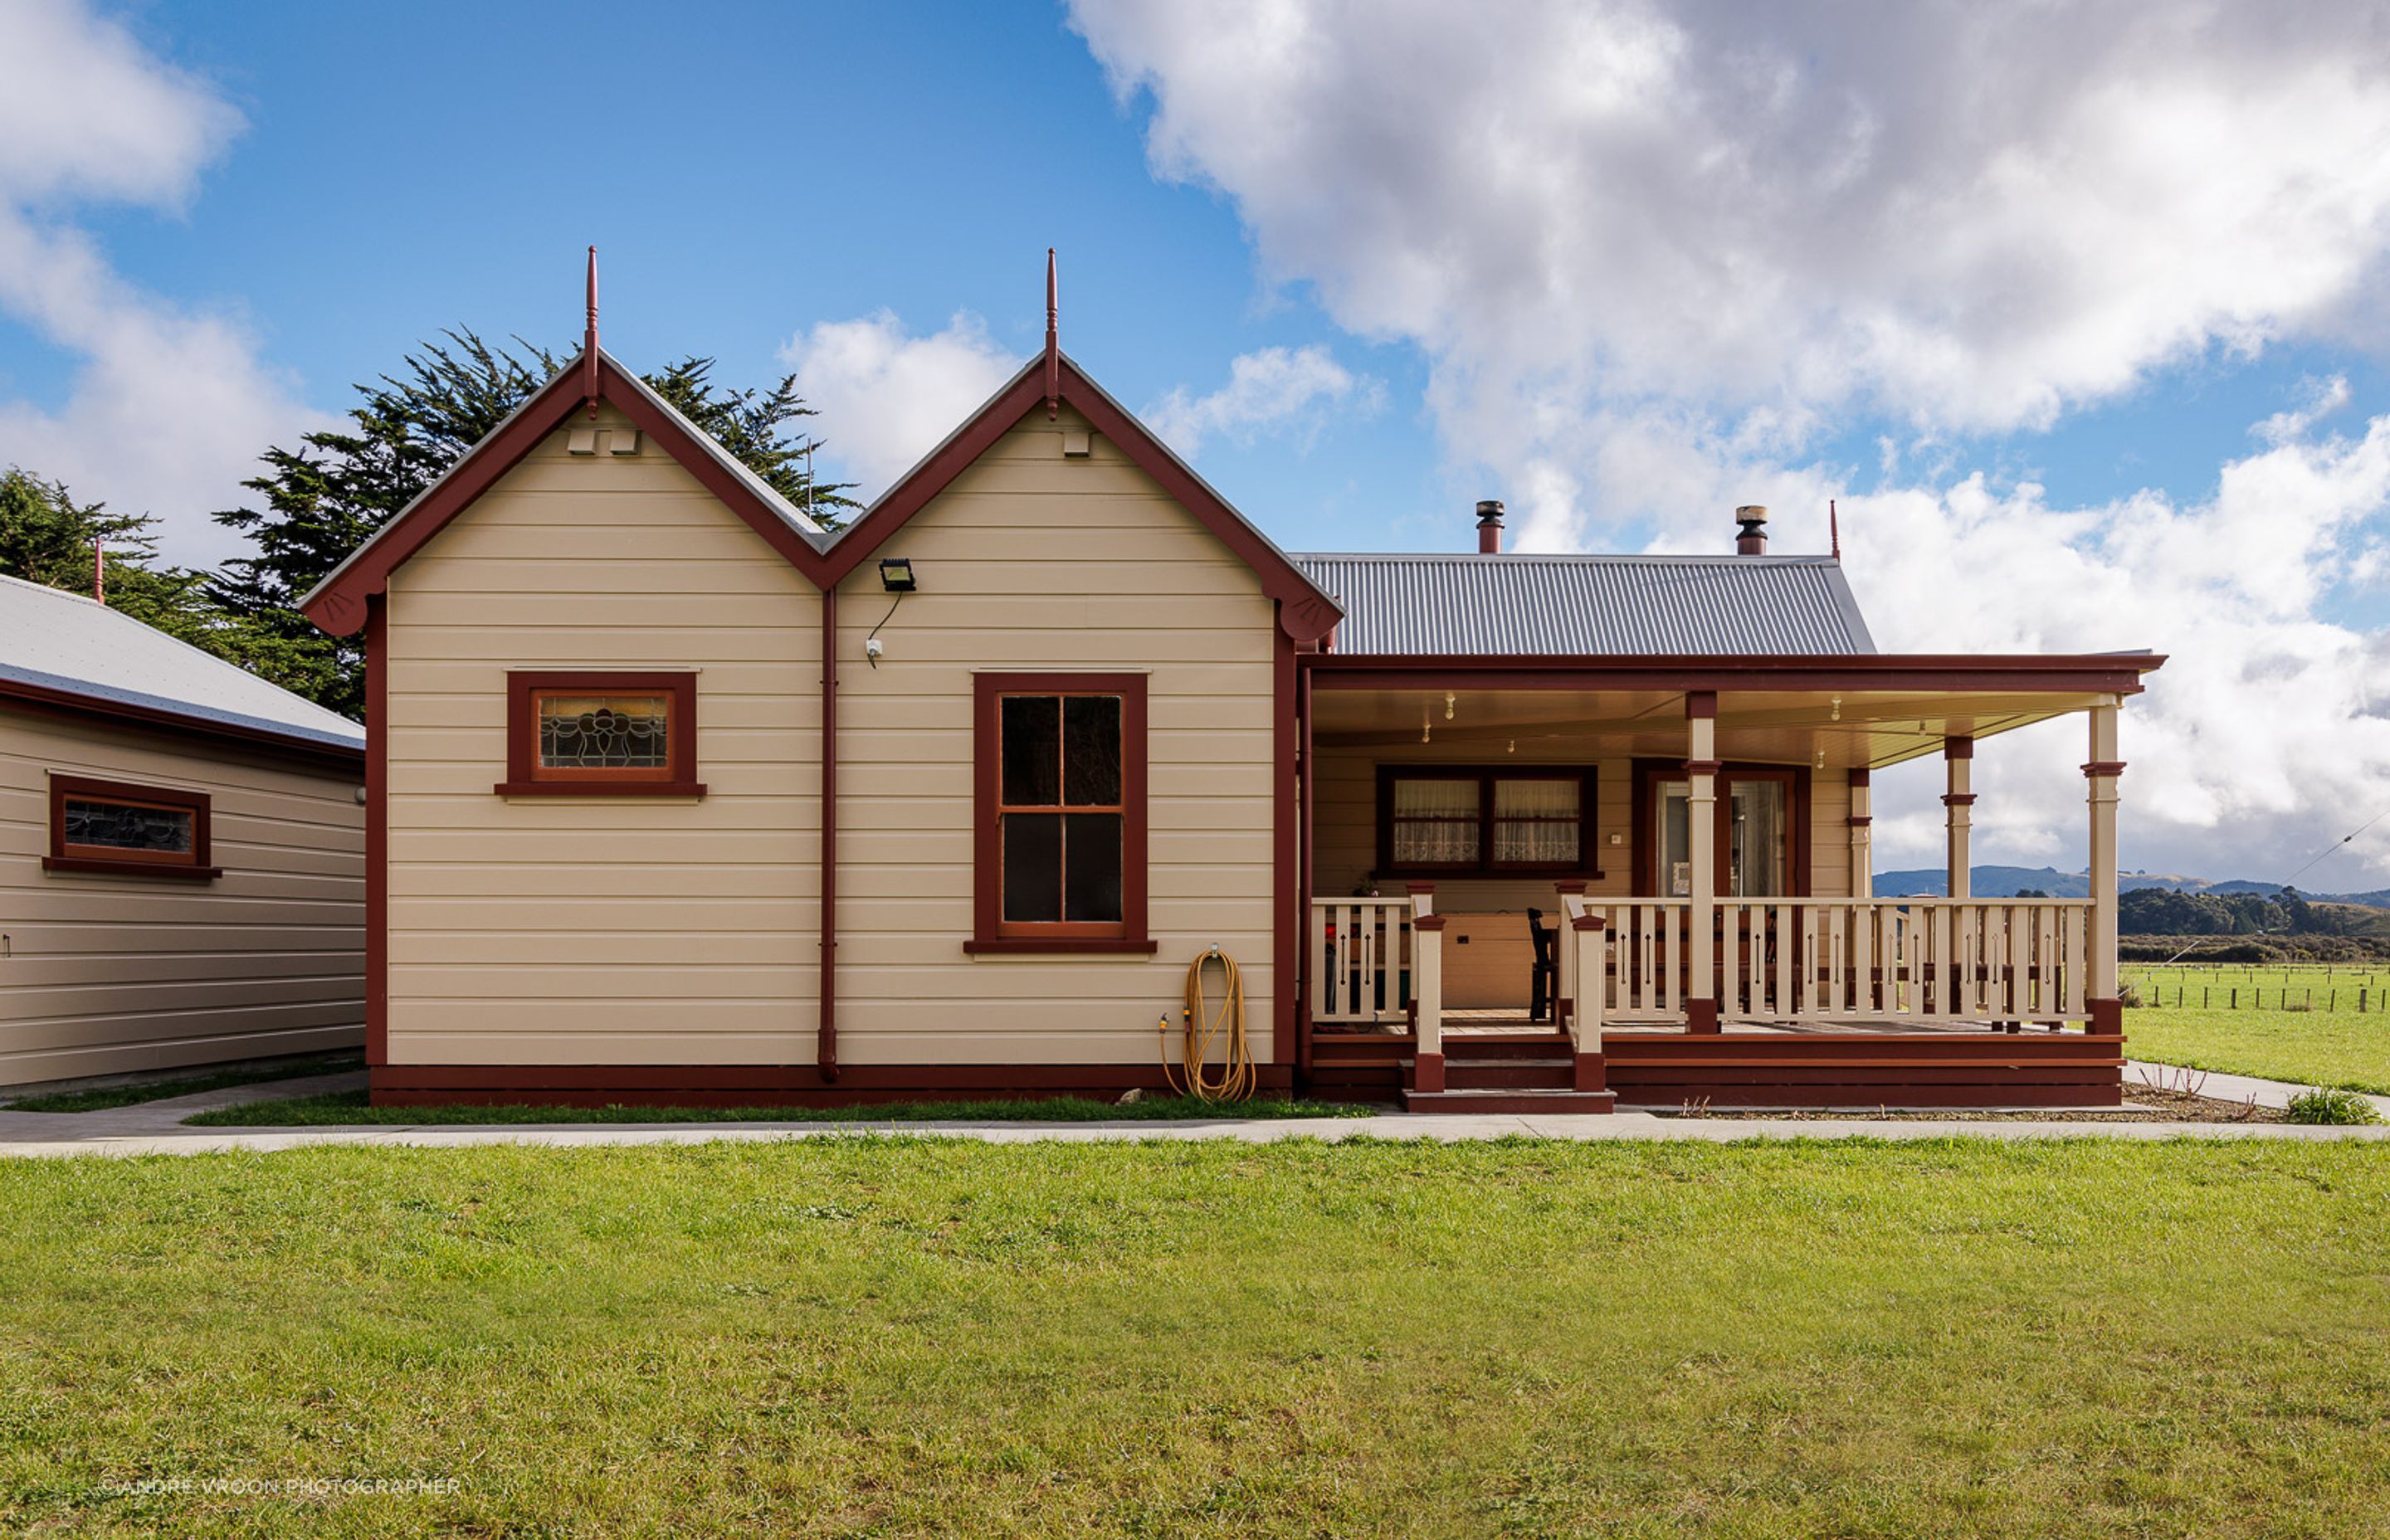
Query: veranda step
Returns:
{"type": "Point", "coordinates": [1483, 1045]}
{"type": "Point", "coordinates": [1504, 1099]}
{"type": "Point", "coordinates": [1481, 1074]}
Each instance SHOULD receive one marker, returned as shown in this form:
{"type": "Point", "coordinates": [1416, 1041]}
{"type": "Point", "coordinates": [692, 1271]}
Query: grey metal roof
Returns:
{"type": "Point", "coordinates": [59, 641]}
{"type": "Point", "coordinates": [1608, 605]}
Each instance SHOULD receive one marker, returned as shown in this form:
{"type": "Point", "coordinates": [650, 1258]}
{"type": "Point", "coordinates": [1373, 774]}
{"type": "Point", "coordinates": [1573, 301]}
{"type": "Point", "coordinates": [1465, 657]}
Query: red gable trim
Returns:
{"type": "Point", "coordinates": [1304, 613]}
{"type": "Point", "coordinates": [340, 607]}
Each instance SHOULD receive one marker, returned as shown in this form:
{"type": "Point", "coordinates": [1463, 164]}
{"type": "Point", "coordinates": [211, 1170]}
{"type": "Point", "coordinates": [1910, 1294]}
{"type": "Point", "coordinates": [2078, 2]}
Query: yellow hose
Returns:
{"type": "Point", "coordinates": [1237, 1078]}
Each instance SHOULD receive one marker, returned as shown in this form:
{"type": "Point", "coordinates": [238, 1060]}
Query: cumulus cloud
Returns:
{"type": "Point", "coordinates": [166, 408]}
{"type": "Point", "coordinates": [1969, 214]}
{"type": "Point", "coordinates": [887, 397]}
{"type": "Point", "coordinates": [1287, 391]}
{"type": "Point", "coordinates": [1653, 253]}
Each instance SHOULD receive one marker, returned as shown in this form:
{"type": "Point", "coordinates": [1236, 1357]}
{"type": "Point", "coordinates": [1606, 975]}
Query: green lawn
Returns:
{"type": "Point", "coordinates": [351, 1107]}
{"type": "Point", "coordinates": [893, 1337]}
{"type": "Point", "coordinates": [2321, 1047]}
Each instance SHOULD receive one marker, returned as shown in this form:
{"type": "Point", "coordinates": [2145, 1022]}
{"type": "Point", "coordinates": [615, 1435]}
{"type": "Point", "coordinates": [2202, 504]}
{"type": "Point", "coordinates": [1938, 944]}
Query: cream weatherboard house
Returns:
{"type": "Point", "coordinates": [675, 797]}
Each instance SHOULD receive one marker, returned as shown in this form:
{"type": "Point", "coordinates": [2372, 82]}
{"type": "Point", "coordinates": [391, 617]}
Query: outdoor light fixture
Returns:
{"type": "Point", "coordinates": [896, 575]}
{"type": "Point", "coordinates": [1837, 715]}
{"type": "Point", "coordinates": [1450, 701]}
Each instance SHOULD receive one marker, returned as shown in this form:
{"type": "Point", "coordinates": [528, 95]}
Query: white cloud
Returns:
{"type": "Point", "coordinates": [887, 398]}
{"type": "Point", "coordinates": [1971, 214]}
{"type": "Point", "coordinates": [1652, 253]}
{"type": "Point", "coordinates": [166, 409]}
{"type": "Point", "coordinates": [1274, 391]}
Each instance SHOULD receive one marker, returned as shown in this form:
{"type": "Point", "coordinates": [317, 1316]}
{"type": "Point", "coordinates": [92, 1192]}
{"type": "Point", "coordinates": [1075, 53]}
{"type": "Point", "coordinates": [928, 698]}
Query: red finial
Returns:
{"type": "Point", "coordinates": [1053, 347]}
{"type": "Point", "coordinates": [1834, 527]}
{"type": "Point", "coordinates": [99, 569]}
{"type": "Point", "coordinates": [589, 341]}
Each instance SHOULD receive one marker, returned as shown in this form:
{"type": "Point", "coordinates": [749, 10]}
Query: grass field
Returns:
{"type": "Point", "coordinates": [2233, 1019]}
{"type": "Point", "coordinates": [351, 1107]}
{"type": "Point", "coordinates": [891, 1337]}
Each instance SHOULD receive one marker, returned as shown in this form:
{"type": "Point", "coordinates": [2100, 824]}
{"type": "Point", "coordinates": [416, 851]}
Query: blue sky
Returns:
{"type": "Point", "coordinates": [2082, 373]}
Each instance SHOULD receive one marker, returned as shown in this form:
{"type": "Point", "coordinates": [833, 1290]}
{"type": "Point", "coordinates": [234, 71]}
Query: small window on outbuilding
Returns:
{"type": "Point", "coordinates": [101, 826]}
{"type": "Point", "coordinates": [601, 734]}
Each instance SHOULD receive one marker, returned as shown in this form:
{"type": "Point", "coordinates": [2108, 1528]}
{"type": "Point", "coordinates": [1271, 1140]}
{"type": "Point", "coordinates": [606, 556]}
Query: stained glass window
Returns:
{"type": "Point", "coordinates": [102, 825]}
{"type": "Point", "coordinates": [130, 826]}
{"type": "Point", "coordinates": [605, 732]}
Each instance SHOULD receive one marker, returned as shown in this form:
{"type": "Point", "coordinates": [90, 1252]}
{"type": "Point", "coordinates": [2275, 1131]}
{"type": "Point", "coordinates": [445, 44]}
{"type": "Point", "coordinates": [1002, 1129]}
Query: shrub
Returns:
{"type": "Point", "coordinates": [2329, 1104]}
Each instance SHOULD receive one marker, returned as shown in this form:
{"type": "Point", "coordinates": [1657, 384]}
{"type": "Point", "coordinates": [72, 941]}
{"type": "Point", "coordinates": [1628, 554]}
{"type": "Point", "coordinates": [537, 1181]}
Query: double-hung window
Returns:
{"type": "Point", "coordinates": [1059, 857]}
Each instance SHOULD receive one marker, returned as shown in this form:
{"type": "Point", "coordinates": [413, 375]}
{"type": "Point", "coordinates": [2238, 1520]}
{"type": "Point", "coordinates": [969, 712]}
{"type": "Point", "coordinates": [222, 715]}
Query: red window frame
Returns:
{"type": "Point", "coordinates": [194, 865]}
{"type": "Point", "coordinates": [990, 933]}
{"type": "Point", "coordinates": [1485, 776]}
{"type": "Point", "coordinates": [527, 778]}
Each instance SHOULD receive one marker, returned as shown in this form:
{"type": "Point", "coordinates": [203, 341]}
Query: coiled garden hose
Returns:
{"type": "Point", "coordinates": [1201, 1027]}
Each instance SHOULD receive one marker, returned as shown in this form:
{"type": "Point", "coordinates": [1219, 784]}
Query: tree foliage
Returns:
{"type": "Point", "coordinates": [317, 503]}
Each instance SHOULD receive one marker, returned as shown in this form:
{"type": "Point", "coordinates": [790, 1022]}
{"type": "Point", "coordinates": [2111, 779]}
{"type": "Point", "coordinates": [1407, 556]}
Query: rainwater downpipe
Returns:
{"type": "Point", "coordinates": [826, 1044]}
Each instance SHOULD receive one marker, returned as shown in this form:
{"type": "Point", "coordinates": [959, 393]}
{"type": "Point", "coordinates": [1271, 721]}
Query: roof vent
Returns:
{"type": "Point", "coordinates": [1489, 528]}
{"type": "Point", "coordinates": [1750, 537]}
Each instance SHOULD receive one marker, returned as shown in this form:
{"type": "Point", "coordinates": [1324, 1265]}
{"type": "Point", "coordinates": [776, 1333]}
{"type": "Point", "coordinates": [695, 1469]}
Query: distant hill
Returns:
{"type": "Point", "coordinates": [2004, 882]}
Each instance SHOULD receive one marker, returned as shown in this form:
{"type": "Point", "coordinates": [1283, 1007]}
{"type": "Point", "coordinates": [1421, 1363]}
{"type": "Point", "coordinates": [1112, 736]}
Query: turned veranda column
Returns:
{"type": "Point", "coordinates": [1958, 812]}
{"type": "Point", "coordinates": [1701, 816]}
{"type": "Point", "coordinates": [2105, 1013]}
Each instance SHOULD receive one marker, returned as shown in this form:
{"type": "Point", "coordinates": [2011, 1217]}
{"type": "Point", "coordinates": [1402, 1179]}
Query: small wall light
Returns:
{"type": "Point", "coordinates": [896, 575]}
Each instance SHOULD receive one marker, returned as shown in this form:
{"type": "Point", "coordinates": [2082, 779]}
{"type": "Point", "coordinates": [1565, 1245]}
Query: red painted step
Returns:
{"type": "Point", "coordinates": [1499, 1100]}
{"type": "Point", "coordinates": [1482, 1074]}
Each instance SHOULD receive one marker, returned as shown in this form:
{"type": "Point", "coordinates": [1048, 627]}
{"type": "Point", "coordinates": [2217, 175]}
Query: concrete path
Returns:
{"type": "Point", "coordinates": [2221, 1087]}
{"type": "Point", "coordinates": [156, 1128]}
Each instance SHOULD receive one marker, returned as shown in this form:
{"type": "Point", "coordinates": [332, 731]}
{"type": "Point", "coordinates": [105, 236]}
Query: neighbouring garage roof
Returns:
{"type": "Point", "coordinates": [57, 644]}
{"type": "Point", "coordinates": [1611, 604]}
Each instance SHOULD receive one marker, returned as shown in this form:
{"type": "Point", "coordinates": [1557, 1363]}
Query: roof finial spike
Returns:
{"type": "Point", "coordinates": [99, 569]}
{"type": "Point", "coordinates": [1834, 527]}
{"type": "Point", "coordinates": [1053, 343]}
{"type": "Point", "coordinates": [589, 341]}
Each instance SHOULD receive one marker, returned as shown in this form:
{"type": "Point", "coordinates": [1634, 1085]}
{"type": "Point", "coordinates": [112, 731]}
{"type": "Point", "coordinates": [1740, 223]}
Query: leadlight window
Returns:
{"type": "Point", "coordinates": [1061, 813]}
{"type": "Point", "coordinates": [1462, 821]}
{"type": "Point", "coordinates": [115, 825]}
{"type": "Point", "coordinates": [599, 733]}
{"type": "Point", "coordinates": [130, 829]}
{"type": "Point", "coordinates": [604, 732]}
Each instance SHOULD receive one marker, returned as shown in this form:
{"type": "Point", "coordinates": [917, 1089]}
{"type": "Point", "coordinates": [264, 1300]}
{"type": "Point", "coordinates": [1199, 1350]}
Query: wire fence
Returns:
{"type": "Point", "coordinates": [2362, 988]}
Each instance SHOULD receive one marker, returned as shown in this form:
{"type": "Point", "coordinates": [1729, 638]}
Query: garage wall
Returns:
{"type": "Point", "coordinates": [112, 973]}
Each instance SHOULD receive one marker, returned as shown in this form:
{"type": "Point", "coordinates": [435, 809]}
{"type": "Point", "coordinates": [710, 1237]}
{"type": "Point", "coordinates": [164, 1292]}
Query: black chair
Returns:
{"type": "Point", "coordinates": [1544, 973]}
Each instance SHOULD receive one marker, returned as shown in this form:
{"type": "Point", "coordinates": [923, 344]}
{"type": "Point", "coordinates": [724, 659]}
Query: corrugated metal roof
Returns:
{"type": "Point", "coordinates": [1607, 605]}
{"type": "Point", "coordinates": [63, 641]}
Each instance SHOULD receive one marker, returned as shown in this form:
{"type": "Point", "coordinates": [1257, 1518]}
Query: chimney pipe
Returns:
{"type": "Point", "coordinates": [1751, 537]}
{"type": "Point", "coordinates": [1489, 528]}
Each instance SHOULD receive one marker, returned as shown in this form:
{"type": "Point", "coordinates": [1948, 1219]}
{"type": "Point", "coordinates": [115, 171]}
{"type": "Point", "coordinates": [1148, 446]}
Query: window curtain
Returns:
{"type": "Point", "coordinates": [1536, 822]}
{"type": "Point", "coordinates": [1436, 821]}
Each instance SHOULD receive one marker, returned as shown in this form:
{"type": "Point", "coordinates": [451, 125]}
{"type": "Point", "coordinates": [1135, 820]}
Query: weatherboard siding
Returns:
{"type": "Point", "coordinates": [1030, 560]}
{"type": "Point", "coordinates": [604, 930]}
{"type": "Point", "coordinates": [112, 973]}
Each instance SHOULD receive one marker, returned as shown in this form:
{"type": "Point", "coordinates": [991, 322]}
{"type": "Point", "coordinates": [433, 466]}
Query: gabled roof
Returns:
{"type": "Point", "coordinates": [64, 649]}
{"type": "Point", "coordinates": [1304, 613]}
{"type": "Point", "coordinates": [1580, 605]}
{"type": "Point", "coordinates": [338, 604]}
